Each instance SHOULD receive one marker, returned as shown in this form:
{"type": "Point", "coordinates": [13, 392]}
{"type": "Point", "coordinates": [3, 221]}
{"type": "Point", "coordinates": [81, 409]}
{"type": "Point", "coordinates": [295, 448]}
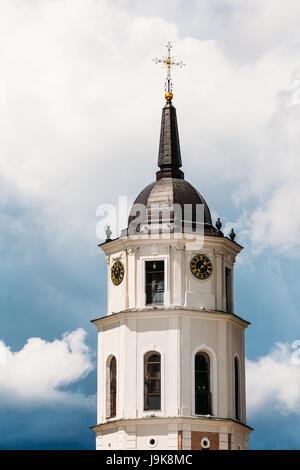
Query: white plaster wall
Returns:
{"type": "Point", "coordinates": [138, 437]}
{"type": "Point", "coordinates": [159, 432]}
{"type": "Point", "coordinates": [109, 344]}
{"type": "Point", "coordinates": [108, 440]}
{"type": "Point", "coordinates": [182, 288]}
{"type": "Point", "coordinates": [239, 440]}
{"type": "Point", "coordinates": [153, 335]}
{"type": "Point", "coordinates": [199, 292]}
{"type": "Point", "coordinates": [117, 296]}
{"type": "Point", "coordinates": [204, 337]}
{"type": "Point", "coordinates": [236, 348]}
{"type": "Point", "coordinates": [130, 365]}
{"type": "Point", "coordinates": [177, 338]}
{"type": "Point", "coordinates": [211, 336]}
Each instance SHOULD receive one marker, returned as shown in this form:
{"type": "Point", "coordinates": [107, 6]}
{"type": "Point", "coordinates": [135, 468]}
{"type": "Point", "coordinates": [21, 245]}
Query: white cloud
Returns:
{"type": "Point", "coordinates": [41, 370]}
{"type": "Point", "coordinates": [243, 29]}
{"type": "Point", "coordinates": [273, 381]}
{"type": "Point", "coordinates": [80, 119]}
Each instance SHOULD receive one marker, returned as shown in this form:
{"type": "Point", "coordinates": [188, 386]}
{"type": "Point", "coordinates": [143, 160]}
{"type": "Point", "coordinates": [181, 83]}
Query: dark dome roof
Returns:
{"type": "Point", "coordinates": [170, 203]}
{"type": "Point", "coordinates": [169, 192]}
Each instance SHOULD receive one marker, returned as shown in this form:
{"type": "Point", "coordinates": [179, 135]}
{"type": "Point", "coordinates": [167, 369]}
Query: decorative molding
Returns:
{"type": "Point", "coordinates": [180, 420]}
{"type": "Point", "coordinates": [177, 248]}
{"type": "Point", "coordinates": [179, 312]}
{"type": "Point", "coordinates": [220, 252]}
{"type": "Point", "coordinates": [213, 376]}
{"type": "Point", "coordinates": [132, 251]}
{"type": "Point", "coordinates": [117, 257]}
{"type": "Point", "coordinates": [205, 241]}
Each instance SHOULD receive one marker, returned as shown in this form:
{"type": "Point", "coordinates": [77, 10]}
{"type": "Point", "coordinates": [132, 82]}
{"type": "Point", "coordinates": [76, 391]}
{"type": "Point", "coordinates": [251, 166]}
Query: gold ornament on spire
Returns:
{"type": "Point", "coordinates": [168, 61]}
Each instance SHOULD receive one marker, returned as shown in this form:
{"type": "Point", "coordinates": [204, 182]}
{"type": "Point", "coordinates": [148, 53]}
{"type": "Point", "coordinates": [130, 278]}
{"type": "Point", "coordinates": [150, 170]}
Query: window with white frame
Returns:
{"type": "Point", "coordinates": [111, 388]}
{"type": "Point", "coordinates": [236, 389]}
{"type": "Point", "coordinates": [152, 381]}
{"type": "Point", "coordinates": [155, 282]}
{"type": "Point", "coordinates": [202, 384]}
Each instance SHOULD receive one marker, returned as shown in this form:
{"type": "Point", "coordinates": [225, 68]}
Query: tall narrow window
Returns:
{"type": "Point", "coordinates": [202, 384]}
{"type": "Point", "coordinates": [236, 388]}
{"type": "Point", "coordinates": [152, 379]}
{"type": "Point", "coordinates": [155, 282]}
{"type": "Point", "coordinates": [112, 387]}
{"type": "Point", "coordinates": [228, 281]}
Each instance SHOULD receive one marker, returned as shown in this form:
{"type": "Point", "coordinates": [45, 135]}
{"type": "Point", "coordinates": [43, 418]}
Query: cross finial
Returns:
{"type": "Point", "coordinates": [168, 61]}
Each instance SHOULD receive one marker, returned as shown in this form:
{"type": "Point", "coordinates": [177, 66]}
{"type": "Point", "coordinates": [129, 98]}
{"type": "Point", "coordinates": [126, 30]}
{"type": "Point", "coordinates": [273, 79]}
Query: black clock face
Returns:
{"type": "Point", "coordinates": [201, 266]}
{"type": "Point", "coordinates": [117, 273]}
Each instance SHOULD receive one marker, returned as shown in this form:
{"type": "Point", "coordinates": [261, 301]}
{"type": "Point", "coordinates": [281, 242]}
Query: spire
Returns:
{"type": "Point", "coordinates": [169, 156]}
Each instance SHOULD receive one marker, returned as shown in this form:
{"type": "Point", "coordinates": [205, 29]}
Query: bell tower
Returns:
{"type": "Point", "coordinates": [171, 356]}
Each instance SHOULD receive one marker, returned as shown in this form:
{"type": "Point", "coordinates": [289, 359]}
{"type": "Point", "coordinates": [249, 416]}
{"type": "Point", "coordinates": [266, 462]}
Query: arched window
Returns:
{"type": "Point", "coordinates": [202, 384]}
{"type": "Point", "coordinates": [111, 387]}
{"type": "Point", "coordinates": [152, 381]}
{"type": "Point", "coordinates": [236, 388]}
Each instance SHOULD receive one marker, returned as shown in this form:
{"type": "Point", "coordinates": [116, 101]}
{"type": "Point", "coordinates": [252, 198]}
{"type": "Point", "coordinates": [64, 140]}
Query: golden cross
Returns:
{"type": "Point", "coordinates": [169, 61]}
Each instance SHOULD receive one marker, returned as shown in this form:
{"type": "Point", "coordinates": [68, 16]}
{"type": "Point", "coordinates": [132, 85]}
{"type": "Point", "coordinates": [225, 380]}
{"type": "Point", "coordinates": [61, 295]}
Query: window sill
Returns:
{"type": "Point", "coordinates": [113, 418]}
{"type": "Point", "coordinates": [154, 305]}
{"type": "Point", "coordinates": [152, 414]}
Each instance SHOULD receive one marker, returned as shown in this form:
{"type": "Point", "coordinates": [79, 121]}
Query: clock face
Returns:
{"type": "Point", "coordinates": [201, 266]}
{"type": "Point", "coordinates": [117, 273]}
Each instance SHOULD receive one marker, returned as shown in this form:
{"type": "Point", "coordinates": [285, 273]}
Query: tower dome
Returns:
{"type": "Point", "coordinates": [170, 202]}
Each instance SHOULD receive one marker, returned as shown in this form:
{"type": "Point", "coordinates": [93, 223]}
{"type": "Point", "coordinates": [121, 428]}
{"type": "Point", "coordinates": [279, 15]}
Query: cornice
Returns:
{"type": "Point", "coordinates": [132, 243]}
{"type": "Point", "coordinates": [173, 312]}
{"type": "Point", "coordinates": [175, 419]}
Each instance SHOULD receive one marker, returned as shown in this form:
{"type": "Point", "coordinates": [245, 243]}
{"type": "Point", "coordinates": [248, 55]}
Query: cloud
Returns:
{"type": "Point", "coordinates": [80, 104]}
{"type": "Point", "coordinates": [243, 30]}
{"type": "Point", "coordinates": [273, 381]}
{"type": "Point", "coordinates": [86, 107]}
{"type": "Point", "coordinates": [42, 370]}
{"type": "Point", "coordinates": [47, 427]}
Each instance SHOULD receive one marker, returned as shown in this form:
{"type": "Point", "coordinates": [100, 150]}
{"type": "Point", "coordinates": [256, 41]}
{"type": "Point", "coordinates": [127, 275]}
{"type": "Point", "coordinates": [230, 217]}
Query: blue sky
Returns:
{"type": "Point", "coordinates": [80, 106]}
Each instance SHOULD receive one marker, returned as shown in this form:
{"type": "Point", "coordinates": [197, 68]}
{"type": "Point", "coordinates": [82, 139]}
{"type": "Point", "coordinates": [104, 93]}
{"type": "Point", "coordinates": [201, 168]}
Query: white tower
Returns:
{"type": "Point", "coordinates": [171, 357]}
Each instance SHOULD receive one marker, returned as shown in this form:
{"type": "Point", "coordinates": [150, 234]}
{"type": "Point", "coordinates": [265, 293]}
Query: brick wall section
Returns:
{"type": "Point", "coordinates": [197, 436]}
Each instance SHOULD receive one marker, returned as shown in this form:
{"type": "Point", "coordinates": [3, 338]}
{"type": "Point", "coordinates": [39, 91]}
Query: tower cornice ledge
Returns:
{"type": "Point", "coordinates": [173, 312]}
{"type": "Point", "coordinates": [212, 420]}
{"type": "Point", "coordinates": [122, 243]}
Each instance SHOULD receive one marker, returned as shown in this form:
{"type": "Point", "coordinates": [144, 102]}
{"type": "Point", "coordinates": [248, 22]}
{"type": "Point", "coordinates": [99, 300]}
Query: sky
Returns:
{"type": "Point", "coordinates": [80, 107]}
